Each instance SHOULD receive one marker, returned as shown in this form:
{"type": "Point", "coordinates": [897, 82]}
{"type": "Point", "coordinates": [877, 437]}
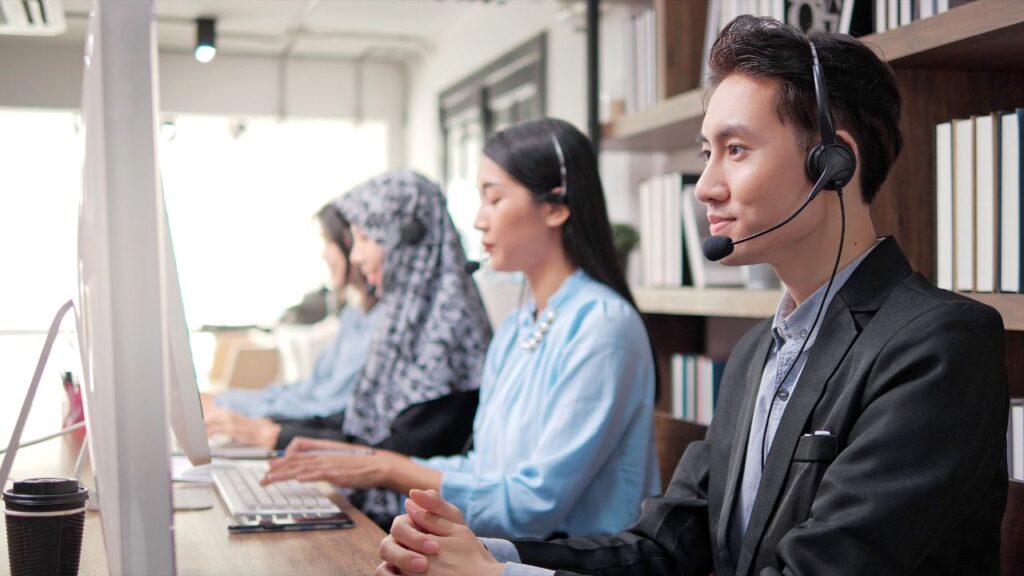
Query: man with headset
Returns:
{"type": "Point", "coordinates": [862, 429]}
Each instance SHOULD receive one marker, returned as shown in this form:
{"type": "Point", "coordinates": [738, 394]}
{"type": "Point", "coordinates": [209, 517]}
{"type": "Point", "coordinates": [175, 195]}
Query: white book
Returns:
{"type": "Point", "coordinates": [926, 8]}
{"type": "Point", "coordinates": [1011, 259]}
{"type": "Point", "coordinates": [678, 394]}
{"type": "Point", "coordinates": [690, 384]}
{"type": "Point", "coordinates": [630, 63]}
{"type": "Point", "coordinates": [658, 204]}
{"type": "Point", "coordinates": [845, 17]}
{"type": "Point", "coordinates": [673, 230]}
{"type": "Point", "coordinates": [646, 242]}
{"type": "Point", "coordinates": [906, 12]}
{"type": "Point", "coordinates": [1017, 425]}
{"type": "Point", "coordinates": [893, 16]}
{"type": "Point", "coordinates": [963, 201]}
{"type": "Point", "coordinates": [941, 6]}
{"type": "Point", "coordinates": [880, 13]}
{"type": "Point", "coordinates": [944, 205]}
{"type": "Point", "coordinates": [985, 204]}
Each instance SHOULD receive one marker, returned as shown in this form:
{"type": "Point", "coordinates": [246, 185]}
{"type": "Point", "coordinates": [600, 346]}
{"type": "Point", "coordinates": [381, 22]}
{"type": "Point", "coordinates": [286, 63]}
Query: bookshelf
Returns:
{"type": "Point", "coordinates": [962, 62]}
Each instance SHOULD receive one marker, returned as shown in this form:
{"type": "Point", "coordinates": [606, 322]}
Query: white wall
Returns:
{"type": "Point", "coordinates": [40, 74]}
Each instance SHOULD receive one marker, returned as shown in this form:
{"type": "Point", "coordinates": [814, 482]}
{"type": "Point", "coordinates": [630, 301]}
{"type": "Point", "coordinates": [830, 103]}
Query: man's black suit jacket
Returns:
{"type": "Point", "coordinates": [910, 381]}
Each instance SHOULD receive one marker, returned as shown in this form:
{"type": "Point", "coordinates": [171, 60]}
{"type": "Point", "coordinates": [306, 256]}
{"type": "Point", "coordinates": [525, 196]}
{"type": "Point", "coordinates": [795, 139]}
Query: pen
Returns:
{"type": "Point", "coordinates": [332, 452]}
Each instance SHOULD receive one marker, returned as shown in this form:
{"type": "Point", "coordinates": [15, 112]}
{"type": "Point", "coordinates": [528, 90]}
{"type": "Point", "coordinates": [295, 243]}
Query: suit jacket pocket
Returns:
{"type": "Point", "coordinates": [812, 448]}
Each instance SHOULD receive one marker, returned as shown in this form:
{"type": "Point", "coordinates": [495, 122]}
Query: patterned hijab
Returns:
{"type": "Point", "coordinates": [432, 331]}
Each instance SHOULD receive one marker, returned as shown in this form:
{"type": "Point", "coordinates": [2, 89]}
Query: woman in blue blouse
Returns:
{"type": "Point", "coordinates": [249, 416]}
{"type": "Point", "coordinates": [562, 439]}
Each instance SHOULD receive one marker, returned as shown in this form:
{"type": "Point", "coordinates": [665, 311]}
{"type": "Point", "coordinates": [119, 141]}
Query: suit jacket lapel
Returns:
{"type": "Point", "coordinates": [837, 334]}
{"type": "Point", "coordinates": [850, 310]}
{"type": "Point", "coordinates": [739, 442]}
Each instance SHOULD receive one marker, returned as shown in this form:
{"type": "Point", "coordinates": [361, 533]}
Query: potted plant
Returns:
{"type": "Point", "coordinates": [625, 238]}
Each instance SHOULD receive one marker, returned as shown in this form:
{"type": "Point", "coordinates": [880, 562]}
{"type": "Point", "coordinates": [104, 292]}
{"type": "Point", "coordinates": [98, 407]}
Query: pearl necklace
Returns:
{"type": "Point", "coordinates": [534, 340]}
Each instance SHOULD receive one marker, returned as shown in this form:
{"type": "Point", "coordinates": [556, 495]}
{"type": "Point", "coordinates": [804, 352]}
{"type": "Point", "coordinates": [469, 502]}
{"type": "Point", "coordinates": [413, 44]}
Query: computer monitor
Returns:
{"type": "Point", "coordinates": [136, 359]}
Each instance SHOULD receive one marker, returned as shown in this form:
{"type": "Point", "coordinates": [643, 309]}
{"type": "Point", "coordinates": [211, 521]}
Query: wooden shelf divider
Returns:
{"type": "Point", "coordinates": [720, 302]}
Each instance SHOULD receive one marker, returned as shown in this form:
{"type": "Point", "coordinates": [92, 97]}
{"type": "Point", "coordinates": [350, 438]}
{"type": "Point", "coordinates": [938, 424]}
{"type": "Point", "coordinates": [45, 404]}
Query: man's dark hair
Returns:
{"type": "Point", "coordinates": [861, 87]}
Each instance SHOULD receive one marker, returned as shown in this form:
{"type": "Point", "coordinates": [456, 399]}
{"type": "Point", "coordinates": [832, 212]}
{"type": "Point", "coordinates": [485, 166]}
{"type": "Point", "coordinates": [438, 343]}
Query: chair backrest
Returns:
{"type": "Point", "coordinates": [671, 437]}
{"type": "Point", "coordinates": [1013, 531]}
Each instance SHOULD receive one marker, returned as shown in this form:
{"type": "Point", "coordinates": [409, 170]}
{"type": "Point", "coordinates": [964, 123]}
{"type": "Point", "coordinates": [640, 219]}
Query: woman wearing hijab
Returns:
{"type": "Point", "coordinates": [270, 417]}
{"type": "Point", "coordinates": [418, 391]}
{"type": "Point", "coordinates": [562, 441]}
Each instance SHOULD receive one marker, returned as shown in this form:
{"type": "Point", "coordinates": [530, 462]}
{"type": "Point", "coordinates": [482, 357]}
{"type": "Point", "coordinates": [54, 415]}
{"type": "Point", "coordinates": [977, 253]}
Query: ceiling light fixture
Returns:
{"type": "Point", "coordinates": [206, 39]}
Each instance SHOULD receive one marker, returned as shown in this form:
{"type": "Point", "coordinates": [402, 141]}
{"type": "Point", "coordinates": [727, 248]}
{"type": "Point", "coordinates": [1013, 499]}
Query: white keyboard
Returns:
{"type": "Point", "coordinates": [239, 488]}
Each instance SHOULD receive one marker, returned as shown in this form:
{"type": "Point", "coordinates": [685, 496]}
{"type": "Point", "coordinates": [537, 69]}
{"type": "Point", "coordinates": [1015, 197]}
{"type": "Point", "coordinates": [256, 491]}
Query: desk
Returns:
{"type": "Point", "coordinates": [204, 546]}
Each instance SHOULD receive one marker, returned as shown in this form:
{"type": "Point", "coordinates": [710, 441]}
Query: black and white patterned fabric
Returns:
{"type": "Point", "coordinates": [432, 331]}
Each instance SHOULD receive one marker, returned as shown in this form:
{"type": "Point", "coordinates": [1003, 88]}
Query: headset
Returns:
{"type": "Point", "coordinates": [412, 230]}
{"type": "Point", "coordinates": [563, 195]}
{"type": "Point", "coordinates": [830, 160]}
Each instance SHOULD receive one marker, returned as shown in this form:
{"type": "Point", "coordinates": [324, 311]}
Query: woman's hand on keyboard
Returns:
{"type": "Point", "coordinates": [261, 432]}
{"type": "Point", "coordinates": [340, 464]}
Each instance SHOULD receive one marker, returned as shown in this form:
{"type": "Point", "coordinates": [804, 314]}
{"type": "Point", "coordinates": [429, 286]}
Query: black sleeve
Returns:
{"type": "Point", "coordinates": [438, 427]}
{"type": "Point", "coordinates": [670, 538]}
{"type": "Point", "coordinates": [323, 427]}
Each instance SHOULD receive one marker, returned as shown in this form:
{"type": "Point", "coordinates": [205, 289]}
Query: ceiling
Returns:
{"type": "Point", "coordinates": [336, 29]}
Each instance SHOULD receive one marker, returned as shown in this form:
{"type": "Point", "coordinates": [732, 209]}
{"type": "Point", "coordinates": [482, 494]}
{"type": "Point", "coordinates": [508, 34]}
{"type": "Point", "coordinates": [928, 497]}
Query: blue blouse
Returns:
{"type": "Point", "coordinates": [563, 436]}
{"type": "Point", "coordinates": [327, 390]}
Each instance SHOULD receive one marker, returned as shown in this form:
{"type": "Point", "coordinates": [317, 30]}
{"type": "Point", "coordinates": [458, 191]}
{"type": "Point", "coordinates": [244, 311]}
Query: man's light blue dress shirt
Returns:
{"type": "Point", "coordinates": [562, 439]}
{"type": "Point", "coordinates": [328, 390]}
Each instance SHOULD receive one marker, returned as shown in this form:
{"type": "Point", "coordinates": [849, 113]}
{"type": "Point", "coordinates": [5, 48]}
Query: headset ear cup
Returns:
{"type": "Point", "coordinates": [837, 158]}
{"type": "Point", "coordinates": [412, 231]}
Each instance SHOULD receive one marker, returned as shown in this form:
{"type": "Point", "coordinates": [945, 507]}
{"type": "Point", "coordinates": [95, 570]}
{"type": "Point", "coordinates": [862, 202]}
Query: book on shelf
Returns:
{"type": "Point", "coordinates": [695, 382]}
{"type": "Point", "coordinates": [641, 60]}
{"type": "Point", "coordinates": [892, 14]}
{"type": "Point", "coordinates": [978, 204]}
{"type": "Point", "coordinates": [1015, 440]}
{"type": "Point", "coordinates": [985, 204]}
{"type": "Point", "coordinates": [944, 205]}
{"type": "Point", "coordinates": [963, 204]}
{"type": "Point", "coordinates": [1011, 213]}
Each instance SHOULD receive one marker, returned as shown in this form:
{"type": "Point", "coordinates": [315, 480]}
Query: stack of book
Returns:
{"type": "Point", "coordinates": [890, 14]}
{"type": "Point", "coordinates": [695, 382]}
{"type": "Point", "coordinates": [641, 61]}
{"type": "Point", "coordinates": [978, 206]}
{"type": "Point", "coordinates": [673, 225]}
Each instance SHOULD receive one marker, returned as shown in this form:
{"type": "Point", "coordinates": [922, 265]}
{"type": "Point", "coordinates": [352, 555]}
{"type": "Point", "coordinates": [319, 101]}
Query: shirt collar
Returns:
{"type": "Point", "coordinates": [792, 322]}
{"type": "Point", "coordinates": [559, 297]}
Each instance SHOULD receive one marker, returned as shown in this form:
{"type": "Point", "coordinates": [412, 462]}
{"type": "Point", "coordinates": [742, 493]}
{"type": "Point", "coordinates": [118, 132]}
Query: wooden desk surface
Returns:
{"type": "Point", "coordinates": [204, 546]}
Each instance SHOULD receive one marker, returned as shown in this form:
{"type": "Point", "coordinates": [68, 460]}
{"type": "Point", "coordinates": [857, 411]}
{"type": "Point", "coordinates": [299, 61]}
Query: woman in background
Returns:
{"type": "Point", "coordinates": [562, 441]}
{"type": "Point", "coordinates": [271, 416]}
{"type": "Point", "coordinates": [418, 391]}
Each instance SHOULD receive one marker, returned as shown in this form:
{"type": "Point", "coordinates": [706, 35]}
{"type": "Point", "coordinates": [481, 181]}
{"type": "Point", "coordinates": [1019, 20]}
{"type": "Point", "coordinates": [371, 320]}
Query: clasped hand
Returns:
{"type": "Point", "coordinates": [433, 538]}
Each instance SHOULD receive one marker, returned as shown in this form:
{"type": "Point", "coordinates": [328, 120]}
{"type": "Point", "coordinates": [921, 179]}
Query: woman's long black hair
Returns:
{"type": "Point", "coordinates": [528, 152]}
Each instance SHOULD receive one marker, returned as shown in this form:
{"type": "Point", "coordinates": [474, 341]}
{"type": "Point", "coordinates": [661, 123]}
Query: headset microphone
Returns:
{"type": "Point", "coordinates": [717, 247]}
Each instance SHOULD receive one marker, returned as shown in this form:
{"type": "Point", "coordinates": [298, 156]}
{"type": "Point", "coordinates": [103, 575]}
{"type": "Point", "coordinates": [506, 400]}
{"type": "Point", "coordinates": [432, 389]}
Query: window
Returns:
{"type": "Point", "coordinates": [505, 92]}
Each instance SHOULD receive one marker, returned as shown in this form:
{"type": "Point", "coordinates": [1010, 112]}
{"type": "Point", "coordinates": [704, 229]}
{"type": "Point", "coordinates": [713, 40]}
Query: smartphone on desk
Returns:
{"type": "Point", "coordinates": [247, 524]}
